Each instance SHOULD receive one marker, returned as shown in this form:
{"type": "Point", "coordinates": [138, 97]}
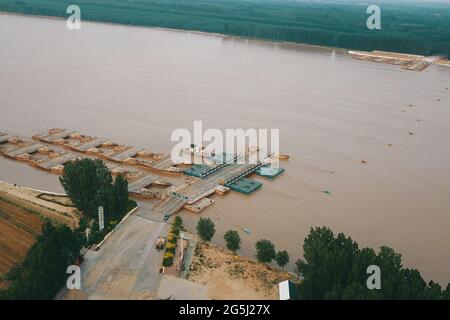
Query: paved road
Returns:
{"type": "Point", "coordinates": [181, 289]}
{"type": "Point", "coordinates": [127, 265]}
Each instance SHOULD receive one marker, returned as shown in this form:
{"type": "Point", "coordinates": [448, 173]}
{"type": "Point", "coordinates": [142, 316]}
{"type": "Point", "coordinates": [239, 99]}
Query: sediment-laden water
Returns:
{"type": "Point", "coordinates": [136, 85]}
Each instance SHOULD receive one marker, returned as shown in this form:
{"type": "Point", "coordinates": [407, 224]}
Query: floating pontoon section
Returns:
{"type": "Point", "coordinates": [58, 161]}
{"type": "Point", "coordinates": [53, 135]}
{"type": "Point", "coordinates": [125, 154]}
{"type": "Point", "coordinates": [83, 147]}
{"type": "Point", "coordinates": [197, 170]}
{"type": "Point", "coordinates": [141, 182]}
{"type": "Point", "coordinates": [172, 203]}
{"type": "Point", "coordinates": [245, 185]}
{"type": "Point", "coordinates": [269, 172]}
{"type": "Point", "coordinates": [200, 205]}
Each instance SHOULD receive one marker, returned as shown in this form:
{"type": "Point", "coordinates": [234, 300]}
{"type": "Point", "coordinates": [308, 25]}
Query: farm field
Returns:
{"type": "Point", "coordinates": [18, 231]}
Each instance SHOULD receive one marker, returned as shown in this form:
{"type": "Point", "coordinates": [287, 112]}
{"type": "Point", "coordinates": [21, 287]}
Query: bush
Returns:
{"type": "Point", "coordinates": [170, 247]}
{"type": "Point", "coordinates": [113, 223]}
{"type": "Point", "coordinates": [171, 237]}
{"type": "Point", "coordinates": [167, 261]}
{"type": "Point", "coordinates": [168, 255]}
{"type": "Point", "coordinates": [175, 231]}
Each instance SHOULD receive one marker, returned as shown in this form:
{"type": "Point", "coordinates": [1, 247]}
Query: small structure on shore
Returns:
{"type": "Point", "coordinates": [287, 290]}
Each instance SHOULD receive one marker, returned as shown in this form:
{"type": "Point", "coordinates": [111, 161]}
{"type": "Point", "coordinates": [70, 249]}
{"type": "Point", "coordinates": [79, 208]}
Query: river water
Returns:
{"type": "Point", "coordinates": [136, 85]}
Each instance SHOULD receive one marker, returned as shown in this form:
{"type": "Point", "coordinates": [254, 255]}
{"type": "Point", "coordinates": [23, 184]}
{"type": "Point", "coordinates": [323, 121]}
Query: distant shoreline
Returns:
{"type": "Point", "coordinates": [340, 26]}
{"type": "Point", "coordinates": [283, 44]}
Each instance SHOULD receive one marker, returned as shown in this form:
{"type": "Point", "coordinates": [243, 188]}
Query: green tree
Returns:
{"type": "Point", "coordinates": [178, 223]}
{"type": "Point", "coordinates": [88, 183]}
{"type": "Point", "coordinates": [80, 182]}
{"type": "Point", "coordinates": [206, 229]}
{"type": "Point", "coordinates": [265, 251]}
{"type": "Point", "coordinates": [233, 240]}
{"type": "Point", "coordinates": [432, 291]}
{"type": "Point", "coordinates": [282, 258]}
{"type": "Point", "coordinates": [446, 293]}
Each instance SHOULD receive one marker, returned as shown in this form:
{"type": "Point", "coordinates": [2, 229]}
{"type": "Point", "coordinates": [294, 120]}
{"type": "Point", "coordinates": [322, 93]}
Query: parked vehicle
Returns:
{"type": "Point", "coordinates": [160, 243]}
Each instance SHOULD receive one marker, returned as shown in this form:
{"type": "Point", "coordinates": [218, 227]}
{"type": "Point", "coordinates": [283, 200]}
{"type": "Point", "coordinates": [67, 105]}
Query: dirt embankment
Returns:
{"type": "Point", "coordinates": [229, 276]}
{"type": "Point", "coordinates": [56, 208]}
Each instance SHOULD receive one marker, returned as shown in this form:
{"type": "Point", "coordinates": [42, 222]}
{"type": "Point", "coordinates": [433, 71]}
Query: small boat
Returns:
{"type": "Point", "coordinates": [283, 156]}
{"type": "Point", "coordinates": [247, 231]}
{"type": "Point", "coordinates": [162, 183]}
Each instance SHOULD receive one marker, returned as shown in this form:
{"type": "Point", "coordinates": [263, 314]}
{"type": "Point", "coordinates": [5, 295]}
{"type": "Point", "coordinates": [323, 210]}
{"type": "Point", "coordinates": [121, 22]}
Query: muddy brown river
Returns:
{"type": "Point", "coordinates": [136, 85]}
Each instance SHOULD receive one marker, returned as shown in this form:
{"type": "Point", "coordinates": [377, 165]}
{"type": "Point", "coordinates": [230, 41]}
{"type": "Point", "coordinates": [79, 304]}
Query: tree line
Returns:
{"type": "Point", "coordinates": [419, 29]}
{"type": "Point", "coordinates": [334, 267]}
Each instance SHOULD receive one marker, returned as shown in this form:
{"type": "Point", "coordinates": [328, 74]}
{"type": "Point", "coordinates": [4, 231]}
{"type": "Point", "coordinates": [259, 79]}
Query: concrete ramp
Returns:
{"type": "Point", "coordinates": [170, 204]}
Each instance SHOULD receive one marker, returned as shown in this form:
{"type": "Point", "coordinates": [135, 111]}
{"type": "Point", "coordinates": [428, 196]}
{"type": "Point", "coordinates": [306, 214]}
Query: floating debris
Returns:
{"type": "Point", "coordinates": [418, 120]}
{"type": "Point", "coordinates": [363, 161]}
{"type": "Point", "coordinates": [327, 192]}
{"type": "Point", "coordinates": [410, 133]}
{"type": "Point", "coordinates": [410, 105]}
{"type": "Point", "coordinates": [388, 145]}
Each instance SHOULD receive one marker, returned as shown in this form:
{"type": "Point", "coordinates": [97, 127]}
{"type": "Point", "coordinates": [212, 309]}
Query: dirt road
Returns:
{"type": "Point", "coordinates": [127, 265]}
